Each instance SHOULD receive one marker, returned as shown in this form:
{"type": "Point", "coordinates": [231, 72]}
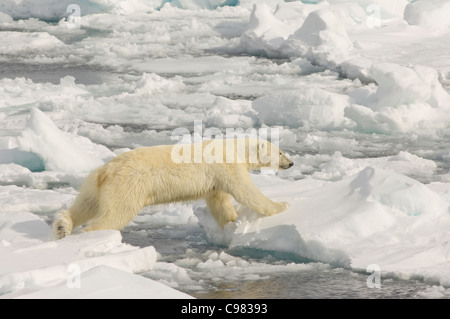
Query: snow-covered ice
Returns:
{"type": "Point", "coordinates": [34, 267]}
{"type": "Point", "coordinates": [358, 89]}
{"type": "Point", "coordinates": [374, 216]}
{"type": "Point", "coordinates": [429, 14]}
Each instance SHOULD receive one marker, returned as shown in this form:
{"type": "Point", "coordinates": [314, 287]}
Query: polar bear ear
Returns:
{"type": "Point", "coordinates": [263, 145]}
{"type": "Point", "coordinates": [262, 148]}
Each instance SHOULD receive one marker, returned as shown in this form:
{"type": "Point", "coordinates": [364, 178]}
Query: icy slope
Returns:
{"type": "Point", "coordinates": [60, 151]}
{"type": "Point", "coordinates": [34, 267]}
{"type": "Point", "coordinates": [373, 217]}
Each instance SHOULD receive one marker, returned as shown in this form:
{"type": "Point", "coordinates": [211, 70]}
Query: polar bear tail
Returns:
{"type": "Point", "coordinates": [62, 225]}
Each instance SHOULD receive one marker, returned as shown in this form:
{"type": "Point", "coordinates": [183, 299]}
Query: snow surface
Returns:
{"type": "Point", "coordinates": [39, 268]}
{"type": "Point", "coordinates": [358, 89]}
{"type": "Point", "coordinates": [372, 216]}
{"type": "Point", "coordinates": [430, 14]}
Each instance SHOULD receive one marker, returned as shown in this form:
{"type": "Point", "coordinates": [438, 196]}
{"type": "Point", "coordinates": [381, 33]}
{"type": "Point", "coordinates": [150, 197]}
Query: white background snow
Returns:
{"type": "Point", "coordinates": [358, 89]}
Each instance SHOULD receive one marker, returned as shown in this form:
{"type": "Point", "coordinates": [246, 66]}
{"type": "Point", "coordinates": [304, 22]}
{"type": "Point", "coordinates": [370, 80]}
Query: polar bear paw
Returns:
{"type": "Point", "coordinates": [278, 207]}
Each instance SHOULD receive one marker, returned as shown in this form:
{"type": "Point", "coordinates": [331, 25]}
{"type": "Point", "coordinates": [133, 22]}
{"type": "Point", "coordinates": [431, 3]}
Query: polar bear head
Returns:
{"type": "Point", "coordinates": [254, 153]}
{"type": "Point", "coordinates": [269, 155]}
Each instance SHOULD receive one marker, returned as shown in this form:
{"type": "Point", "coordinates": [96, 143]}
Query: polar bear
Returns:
{"type": "Point", "coordinates": [215, 170]}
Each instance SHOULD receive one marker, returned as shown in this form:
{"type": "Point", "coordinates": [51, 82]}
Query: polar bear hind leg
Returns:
{"type": "Point", "coordinates": [63, 225]}
{"type": "Point", "coordinates": [114, 215]}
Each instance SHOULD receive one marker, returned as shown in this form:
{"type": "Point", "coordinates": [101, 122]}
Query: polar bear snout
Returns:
{"type": "Point", "coordinates": [285, 164]}
{"type": "Point", "coordinates": [284, 161]}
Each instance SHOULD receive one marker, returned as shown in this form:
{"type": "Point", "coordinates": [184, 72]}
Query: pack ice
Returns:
{"type": "Point", "coordinates": [358, 89]}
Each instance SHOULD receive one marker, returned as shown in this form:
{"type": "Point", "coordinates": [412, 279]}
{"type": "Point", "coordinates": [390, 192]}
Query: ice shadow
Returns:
{"type": "Point", "coordinates": [32, 229]}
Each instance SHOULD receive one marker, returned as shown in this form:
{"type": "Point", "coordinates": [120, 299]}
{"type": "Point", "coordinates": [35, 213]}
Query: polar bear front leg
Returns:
{"type": "Point", "coordinates": [257, 201]}
{"type": "Point", "coordinates": [247, 194]}
{"type": "Point", "coordinates": [221, 207]}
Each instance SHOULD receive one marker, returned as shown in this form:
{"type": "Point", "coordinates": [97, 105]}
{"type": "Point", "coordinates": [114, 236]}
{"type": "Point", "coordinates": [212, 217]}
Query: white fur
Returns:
{"type": "Point", "coordinates": [114, 194]}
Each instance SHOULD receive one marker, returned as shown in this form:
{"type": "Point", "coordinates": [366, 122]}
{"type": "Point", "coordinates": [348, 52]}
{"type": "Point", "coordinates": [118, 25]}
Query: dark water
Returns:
{"type": "Point", "coordinates": [317, 284]}
{"type": "Point", "coordinates": [317, 281]}
{"type": "Point", "coordinates": [53, 73]}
